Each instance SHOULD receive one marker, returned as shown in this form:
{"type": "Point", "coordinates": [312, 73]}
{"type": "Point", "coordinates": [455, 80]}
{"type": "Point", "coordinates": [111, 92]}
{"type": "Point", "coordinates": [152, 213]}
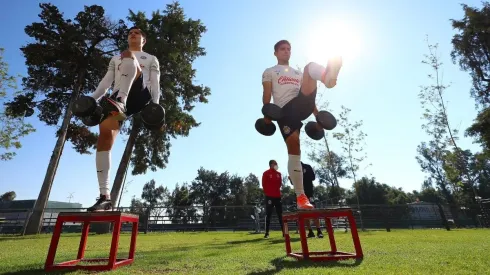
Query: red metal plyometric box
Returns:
{"type": "Point", "coordinates": [115, 217]}
{"type": "Point", "coordinates": [327, 215]}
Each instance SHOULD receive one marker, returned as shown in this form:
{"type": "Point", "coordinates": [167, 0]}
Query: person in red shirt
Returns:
{"type": "Point", "coordinates": [271, 184]}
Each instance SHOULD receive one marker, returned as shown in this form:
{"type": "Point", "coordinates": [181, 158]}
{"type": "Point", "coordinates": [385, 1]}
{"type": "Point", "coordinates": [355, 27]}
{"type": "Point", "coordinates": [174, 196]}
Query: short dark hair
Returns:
{"type": "Point", "coordinates": [281, 42]}
{"type": "Point", "coordinates": [271, 162]}
{"type": "Point", "coordinates": [136, 28]}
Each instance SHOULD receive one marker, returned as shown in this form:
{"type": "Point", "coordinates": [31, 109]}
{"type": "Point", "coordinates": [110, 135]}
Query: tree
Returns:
{"type": "Point", "coordinates": [438, 127]}
{"type": "Point", "coordinates": [429, 194]}
{"type": "Point", "coordinates": [431, 161]}
{"type": "Point", "coordinates": [179, 206]}
{"type": "Point", "coordinates": [330, 166]}
{"type": "Point", "coordinates": [471, 50]}
{"type": "Point", "coordinates": [66, 58]}
{"type": "Point", "coordinates": [369, 191]}
{"type": "Point", "coordinates": [397, 196]}
{"type": "Point", "coordinates": [12, 126]}
{"type": "Point", "coordinates": [255, 195]}
{"type": "Point", "coordinates": [352, 140]}
{"type": "Point", "coordinates": [238, 192]}
{"type": "Point", "coordinates": [459, 167]}
{"type": "Point", "coordinates": [153, 197]}
{"type": "Point", "coordinates": [288, 196]}
{"type": "Point", "coordinates": [8, 196]}
{"type": "Point", "coordinates": [482, 168]}
{"type": "Point", "coordinates": [175, 41]}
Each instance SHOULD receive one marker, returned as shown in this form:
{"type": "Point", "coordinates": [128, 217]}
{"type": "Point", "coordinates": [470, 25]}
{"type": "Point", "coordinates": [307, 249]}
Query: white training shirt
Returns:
{"type": "Point", "coordinates": [150, 68]}
{"type": "Point", "coordinates": [286, 83]}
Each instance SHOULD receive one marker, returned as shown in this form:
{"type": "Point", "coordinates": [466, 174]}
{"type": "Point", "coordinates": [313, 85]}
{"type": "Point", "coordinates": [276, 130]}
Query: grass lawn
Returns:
{"type": "Point", "coordinates": [397, 252]}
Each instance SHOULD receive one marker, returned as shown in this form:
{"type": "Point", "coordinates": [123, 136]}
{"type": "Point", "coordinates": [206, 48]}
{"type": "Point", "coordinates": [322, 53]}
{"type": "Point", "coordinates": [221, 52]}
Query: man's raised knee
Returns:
{"type": "Point", "coordinates": [128, 54]}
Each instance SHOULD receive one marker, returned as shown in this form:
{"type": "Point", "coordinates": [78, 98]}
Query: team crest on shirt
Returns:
{"type": "Point", "coordinates": [304, 171]}
{"type": "Point", "coordinates": [277, 72]}
{"type": "Point", "coordinates": [143, 57]}
{"type": "Point", "coordinates": [286, 130]}
{"type": "Point", "coordinates": [269, 202]}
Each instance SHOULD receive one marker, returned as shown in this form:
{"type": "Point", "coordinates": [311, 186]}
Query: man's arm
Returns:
{"type": "Point", "coordinates": [267, 87]}
{"type": "Point", "coordinates": [155, 80]}
{"type": "Point", "coordinates": [106, 82]}
{"type": "Point", "coordinates": [263, 180]}
{"type": "Point", "coordinates": [312, 173]}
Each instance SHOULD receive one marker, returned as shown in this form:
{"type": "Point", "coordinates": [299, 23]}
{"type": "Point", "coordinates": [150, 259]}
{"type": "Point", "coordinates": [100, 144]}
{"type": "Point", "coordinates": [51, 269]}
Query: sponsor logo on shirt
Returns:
{"type": "Point", "coordinates": [283, 80]}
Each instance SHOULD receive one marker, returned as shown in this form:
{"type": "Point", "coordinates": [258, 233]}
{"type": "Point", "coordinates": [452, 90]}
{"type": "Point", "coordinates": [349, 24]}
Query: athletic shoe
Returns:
{"type": "Point", "coordinates": [102, 204]}
{"type": "Point", "coordinates": [303, 203]}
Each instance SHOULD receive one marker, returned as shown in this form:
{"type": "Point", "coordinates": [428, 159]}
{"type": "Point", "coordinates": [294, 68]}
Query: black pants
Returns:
{"type": "Point", "coordinates": [295, 111]}
{"type": "Point", "coordinates": [271, 203]}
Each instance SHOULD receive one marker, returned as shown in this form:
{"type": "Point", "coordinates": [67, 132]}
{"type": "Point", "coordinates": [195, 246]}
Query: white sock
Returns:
{"type": "Point", "coordinates": [296, 173]}
{"type": "Point", "coordinates": [103, 164]}
{"type": "Point", "coordinates": [128, 74]}
{"type": "Point", "coordinates": [316, 71]}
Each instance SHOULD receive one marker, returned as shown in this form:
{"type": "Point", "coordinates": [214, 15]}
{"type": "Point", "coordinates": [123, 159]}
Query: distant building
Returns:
{"type": "Point", "coordinates": [13, 214]}
{"type": "Point", "coordinates": [428, 213]}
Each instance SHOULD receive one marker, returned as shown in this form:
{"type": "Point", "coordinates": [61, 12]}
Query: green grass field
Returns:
{"type": "Point", "coordinates": [397, 252]}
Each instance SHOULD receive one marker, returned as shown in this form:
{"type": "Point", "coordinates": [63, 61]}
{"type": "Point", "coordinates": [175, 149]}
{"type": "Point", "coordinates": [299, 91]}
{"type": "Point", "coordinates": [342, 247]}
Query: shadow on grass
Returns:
{"type": "Point", "coordinates": [280, 264]}
{"type": "Point", "coordinates": [34, 269]}
{"type": "Point", "coordinates": [258, 240]}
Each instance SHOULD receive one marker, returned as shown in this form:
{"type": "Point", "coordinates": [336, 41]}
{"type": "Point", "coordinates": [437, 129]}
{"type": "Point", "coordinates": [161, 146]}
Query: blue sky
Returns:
{"type": "Point", "coordinates": [379, 82]}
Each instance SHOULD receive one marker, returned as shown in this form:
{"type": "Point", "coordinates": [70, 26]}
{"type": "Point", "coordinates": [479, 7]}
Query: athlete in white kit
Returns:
{"type": "Point", "coordinates": [295, 93]}
{"type": "Point", "coordinates": [136, 78]}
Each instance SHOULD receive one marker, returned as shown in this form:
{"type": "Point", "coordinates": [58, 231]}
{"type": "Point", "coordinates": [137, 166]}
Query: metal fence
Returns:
{"type": "Point", "coordinates": [252, 218]}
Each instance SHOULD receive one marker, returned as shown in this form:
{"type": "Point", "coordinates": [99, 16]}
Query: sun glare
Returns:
{"type": "Point", "coordinates": [333, 38]}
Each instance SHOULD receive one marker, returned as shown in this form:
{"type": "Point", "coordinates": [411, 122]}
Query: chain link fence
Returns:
{"type": "Point", "coordinates": [252, 218]}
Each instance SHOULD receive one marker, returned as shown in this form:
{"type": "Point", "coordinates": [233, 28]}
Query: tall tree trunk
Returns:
{"type": "Point", "coordinates": [36, 219]}
{"type": "Point", "coordinates": [124, 164]}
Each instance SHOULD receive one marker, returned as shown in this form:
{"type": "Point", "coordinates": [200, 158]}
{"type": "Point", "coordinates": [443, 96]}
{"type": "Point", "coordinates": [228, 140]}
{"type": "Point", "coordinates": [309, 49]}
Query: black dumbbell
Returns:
{"type": "Point", "coordinates": [84, 106]}
{"type": "Point", "coordinates": [88, 110]}
{"type": "Point", "coordinates": [326, 120]}
{"type": "Point", "coordinates": [313, 132]}
{"type": "Point", "coordinates": [266, 129]}
{"type": "Point", "coordinates": [95, 118]}
{"type": "Point", "coordinates": [272, 112]}
{"type": "Point", "coordinates": [153, 116]}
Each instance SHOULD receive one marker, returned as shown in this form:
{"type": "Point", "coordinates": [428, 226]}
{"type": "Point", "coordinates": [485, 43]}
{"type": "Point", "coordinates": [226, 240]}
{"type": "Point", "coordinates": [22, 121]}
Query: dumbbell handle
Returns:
{"type": "Point", "coordinates": [267, 120]}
